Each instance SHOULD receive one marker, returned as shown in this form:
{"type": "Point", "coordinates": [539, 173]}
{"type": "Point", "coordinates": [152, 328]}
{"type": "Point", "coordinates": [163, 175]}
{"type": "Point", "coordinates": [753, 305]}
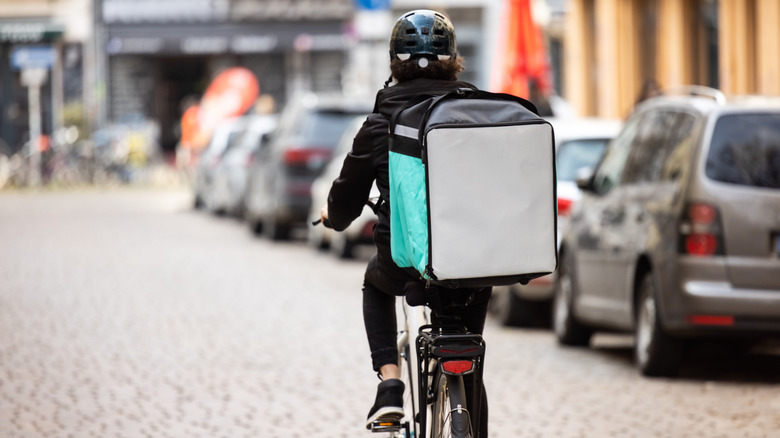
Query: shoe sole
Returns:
{"type": "Point", "coordinates": [386, 414]}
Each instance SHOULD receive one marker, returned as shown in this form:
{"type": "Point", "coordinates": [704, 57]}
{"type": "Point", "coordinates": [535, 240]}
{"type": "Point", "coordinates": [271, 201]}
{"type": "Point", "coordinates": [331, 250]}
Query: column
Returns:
{"type": "Point", "coordinates": [578, 58]}
{"type": "Point", "coordinates": [768, 47]}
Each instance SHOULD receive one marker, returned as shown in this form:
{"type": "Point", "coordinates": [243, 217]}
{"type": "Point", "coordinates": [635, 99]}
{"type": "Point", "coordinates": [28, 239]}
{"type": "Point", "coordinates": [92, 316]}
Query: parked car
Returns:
{"type": "Point", "coordinates": [279, 188]}
{"type": "Point", "coordinates": [579, 144]}
{"type": "Point", "coordinates": [677, 235]}
{"type": "Point", "coordinates": [231, 172]}
{"type": "Point", "coordinates": [223, 135]}
{"type": "Point", "coordinates": [361, 230]}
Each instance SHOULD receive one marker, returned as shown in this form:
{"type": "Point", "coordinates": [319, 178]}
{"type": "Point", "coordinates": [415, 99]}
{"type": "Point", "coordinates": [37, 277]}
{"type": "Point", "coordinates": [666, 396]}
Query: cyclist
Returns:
{"type": "Point", "coordinates": [424, 60]}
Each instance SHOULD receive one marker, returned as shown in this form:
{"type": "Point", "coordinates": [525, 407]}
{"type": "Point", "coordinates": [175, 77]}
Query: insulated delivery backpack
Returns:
{"type": "Point", "coordinates": [472, 189]}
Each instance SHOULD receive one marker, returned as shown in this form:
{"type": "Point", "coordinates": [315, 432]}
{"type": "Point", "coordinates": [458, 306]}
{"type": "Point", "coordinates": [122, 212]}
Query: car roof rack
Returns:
{"type": "Point", "coordinates": [698, 91]}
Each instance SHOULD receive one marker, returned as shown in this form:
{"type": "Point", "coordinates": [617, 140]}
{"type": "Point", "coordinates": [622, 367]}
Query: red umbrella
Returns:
{"type": "Point", "coordinates": [525, 56]}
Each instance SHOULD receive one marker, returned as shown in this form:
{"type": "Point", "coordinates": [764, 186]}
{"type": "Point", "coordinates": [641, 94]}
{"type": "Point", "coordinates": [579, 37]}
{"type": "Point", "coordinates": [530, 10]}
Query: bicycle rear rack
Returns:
{"type": "Point", "coordinates": [442, 343]}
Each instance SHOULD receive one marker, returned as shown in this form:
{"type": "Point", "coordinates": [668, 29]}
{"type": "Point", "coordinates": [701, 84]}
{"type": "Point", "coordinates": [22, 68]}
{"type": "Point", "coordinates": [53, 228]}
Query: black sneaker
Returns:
{"type": "Point", "coordinates": [389, 404]}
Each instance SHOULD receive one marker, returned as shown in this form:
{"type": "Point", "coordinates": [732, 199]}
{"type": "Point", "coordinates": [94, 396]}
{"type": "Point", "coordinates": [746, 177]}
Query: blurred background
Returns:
{"type": "Point", "coordinates": [102, 86]}
{"type": "Point", "coordinates": [129, 311]}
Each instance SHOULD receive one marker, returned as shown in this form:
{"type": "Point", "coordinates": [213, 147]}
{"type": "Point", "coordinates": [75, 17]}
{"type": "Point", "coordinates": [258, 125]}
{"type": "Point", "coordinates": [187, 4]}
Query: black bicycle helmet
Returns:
{"type": "Point", "coordinates": [423, 33]}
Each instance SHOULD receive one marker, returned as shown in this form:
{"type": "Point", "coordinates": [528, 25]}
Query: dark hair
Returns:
{"type": "Point", "coordinates": [447, 69]}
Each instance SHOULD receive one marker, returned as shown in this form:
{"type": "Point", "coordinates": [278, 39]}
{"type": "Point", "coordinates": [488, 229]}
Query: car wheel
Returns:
{"type": "Point", "coordinates": [316, 238]}
{"type": "Point", "coordinates": [512, 310]}
{"type": "Point", "coordinates": [656, 353]}
{"type": "Point", "coordinates": [256, 226]}
{"type": "Point", "coordinates": [275, 230]}
{"type": "Point", "coordinates": [342, 246]}
{"type": "Point", "coordinates": [567, 329]}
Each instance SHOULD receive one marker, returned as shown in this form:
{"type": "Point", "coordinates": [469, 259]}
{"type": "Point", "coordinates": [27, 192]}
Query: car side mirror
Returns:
{"type": "Point", "coordinates": [584, 179]}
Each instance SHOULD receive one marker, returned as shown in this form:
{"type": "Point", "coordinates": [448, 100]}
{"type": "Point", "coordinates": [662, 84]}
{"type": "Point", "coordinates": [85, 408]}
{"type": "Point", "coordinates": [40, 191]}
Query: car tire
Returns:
{"type": "Point", "coordinates": [513, 311]}
{"type": "Point", "coordinates": [317, 240]}
{"type": "Point", "coordinates": [274, 230]}
{"type": "Point", "coordinates": [256, 226]}
{"type": "Point", "coordinates": [342, 247]}
{"type": "Point", "coordinates": [568, 331]}
{"type": "Point", "coordinates": [656, 353]}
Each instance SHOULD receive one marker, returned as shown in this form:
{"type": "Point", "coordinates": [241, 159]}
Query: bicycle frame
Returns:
{"type": "Point", "coordinates": [414, 318]}
{"type": "Point", "coordinates": [434, 345]}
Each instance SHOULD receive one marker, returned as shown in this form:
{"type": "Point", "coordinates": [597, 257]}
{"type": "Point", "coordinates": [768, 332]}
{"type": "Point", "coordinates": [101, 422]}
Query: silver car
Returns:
{"type": "Point", "coordinates": [677, 235]}
{"type": "Point", "coordinates": [203, 186]}
{"type": "Point", "coordinates": [278, 195]}
{"type": "Point", "coordinates": [229, 178]}
{"type": "Point", "coordinates": [361, 230]}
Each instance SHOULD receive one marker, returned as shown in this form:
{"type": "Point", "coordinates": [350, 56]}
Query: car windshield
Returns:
{"type": "Point", "coordinates": [324, 128]}
{"type": "Point", "coordinates": [575, 154]}
{"type": "Point", "coordinates": [745, 150]}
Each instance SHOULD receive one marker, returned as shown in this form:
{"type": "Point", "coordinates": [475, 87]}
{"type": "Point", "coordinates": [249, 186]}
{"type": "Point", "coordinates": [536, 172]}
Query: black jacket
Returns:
{"type": "Point", "coordinates": [368, 162]}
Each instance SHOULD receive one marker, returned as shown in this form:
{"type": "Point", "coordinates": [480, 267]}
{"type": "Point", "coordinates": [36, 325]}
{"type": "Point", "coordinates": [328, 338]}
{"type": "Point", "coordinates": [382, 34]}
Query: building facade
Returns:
{"type": "Point", "coordinates": [613, 47]}
{"type": "Point", "coordinates": [161, 54]}
{"type": "Point", "coordinates": [61, 28]}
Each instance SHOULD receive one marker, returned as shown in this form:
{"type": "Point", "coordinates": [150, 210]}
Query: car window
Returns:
{"type": "Point", "coordinates": [574, 155]}
{"type": "Point", "coordinates": [611, 167]}
{"type": "Point", "coordinates": [662, 132]}
{"type": "Point", "coordinates": [745, 150]}
{"type": "Point", "coordinates": [677, 155]}
{"type": "Point", "coordinates": [324, 128]}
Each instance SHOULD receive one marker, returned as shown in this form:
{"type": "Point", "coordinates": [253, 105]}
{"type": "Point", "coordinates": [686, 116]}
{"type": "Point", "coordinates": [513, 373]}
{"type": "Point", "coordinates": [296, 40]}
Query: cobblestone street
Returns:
{"type": "Point", "coordinates": [127, 314]}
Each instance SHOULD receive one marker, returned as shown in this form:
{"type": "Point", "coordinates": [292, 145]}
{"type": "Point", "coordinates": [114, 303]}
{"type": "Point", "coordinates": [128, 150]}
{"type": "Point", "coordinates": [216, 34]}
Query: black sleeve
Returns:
{"type": "Point", "coordinates": [351, 189]}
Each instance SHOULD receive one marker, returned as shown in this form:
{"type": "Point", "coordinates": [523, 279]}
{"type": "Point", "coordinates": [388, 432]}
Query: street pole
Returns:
{"type": "Point", "coordinates": [33, 78]}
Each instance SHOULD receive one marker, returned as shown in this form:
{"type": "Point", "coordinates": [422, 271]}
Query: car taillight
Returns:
{"type": "Point", "coordinates": [457, 366]}
{"type": "Point", "coordinates": [250, 159]}
{"type": "Point", "coordinates": [700, 231]}
{"type": "Point", "coordinates": [724, 320]}
{"type": "Point", "coordinates": [368, 229]}
{"type": "Point", "coordinates": [313, 158]}
{"type": "Point", "coordinates": [564, 206]}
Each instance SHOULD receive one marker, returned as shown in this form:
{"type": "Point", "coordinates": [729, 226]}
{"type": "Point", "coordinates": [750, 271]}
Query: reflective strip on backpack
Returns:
{"type": "Point", "coordinates": [406, 131]}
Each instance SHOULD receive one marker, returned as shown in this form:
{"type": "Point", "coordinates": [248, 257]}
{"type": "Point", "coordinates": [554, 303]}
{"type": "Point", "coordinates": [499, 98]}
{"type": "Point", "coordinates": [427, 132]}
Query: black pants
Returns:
{"type": "Point", "coordinates": [379, 316]}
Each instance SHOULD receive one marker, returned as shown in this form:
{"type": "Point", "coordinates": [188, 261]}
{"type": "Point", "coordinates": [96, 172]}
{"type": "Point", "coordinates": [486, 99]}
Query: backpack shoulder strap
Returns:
{"type": "Point", "coordinates": [416, 100]}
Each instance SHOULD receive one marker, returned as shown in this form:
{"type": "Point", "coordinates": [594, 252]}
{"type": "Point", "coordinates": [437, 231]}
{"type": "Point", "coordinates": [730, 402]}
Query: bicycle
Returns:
{"type": "Point", "coordinates": [436, 400]}
{"type": "Point", "coordinates": [433, 371]}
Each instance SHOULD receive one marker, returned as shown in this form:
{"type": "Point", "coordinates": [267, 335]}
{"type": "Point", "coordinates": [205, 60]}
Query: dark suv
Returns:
{"type": "Point", "coordinates": [279, 187]}
{"type": "Point", "coordinates": [677, 235]}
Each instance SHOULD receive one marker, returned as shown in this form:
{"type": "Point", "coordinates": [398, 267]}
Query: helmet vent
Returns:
{"type": "Point", "coordinates": [411, 31]}
{"type": "Point", "coordinates": [438, 32]}
{"type": "Point", "coordinates": [411, 43]}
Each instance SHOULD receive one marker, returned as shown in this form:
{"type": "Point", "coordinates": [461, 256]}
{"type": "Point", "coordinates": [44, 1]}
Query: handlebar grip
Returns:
{"type": "Point", "coordinates": [326, 223]}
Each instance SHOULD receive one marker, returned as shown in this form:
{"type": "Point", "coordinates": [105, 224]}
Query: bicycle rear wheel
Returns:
{"type": "Point", "coordinates": [449, 413]}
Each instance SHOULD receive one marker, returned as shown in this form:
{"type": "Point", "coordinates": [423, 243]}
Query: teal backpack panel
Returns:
{"type": "Point", "coordinates": [408, 212]}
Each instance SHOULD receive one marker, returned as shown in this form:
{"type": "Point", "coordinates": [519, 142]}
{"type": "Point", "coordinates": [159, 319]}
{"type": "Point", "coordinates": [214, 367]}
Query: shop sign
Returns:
{"type": "Point", "coordinates": [32, 57]}
{"type": "Point", "coordinates": [373, 5]}
{"type": "Point", "coordinates": [29, 32]}
{"type": "Point", "coordinates": [243, 38]}
{"type": "Point", "coordinates": [205, 11]}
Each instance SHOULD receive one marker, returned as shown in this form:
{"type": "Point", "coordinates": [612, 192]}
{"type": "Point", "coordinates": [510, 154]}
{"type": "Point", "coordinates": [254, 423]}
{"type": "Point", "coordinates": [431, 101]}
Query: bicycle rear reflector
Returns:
{"type": "Point", "coordinates": [457, 366]}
